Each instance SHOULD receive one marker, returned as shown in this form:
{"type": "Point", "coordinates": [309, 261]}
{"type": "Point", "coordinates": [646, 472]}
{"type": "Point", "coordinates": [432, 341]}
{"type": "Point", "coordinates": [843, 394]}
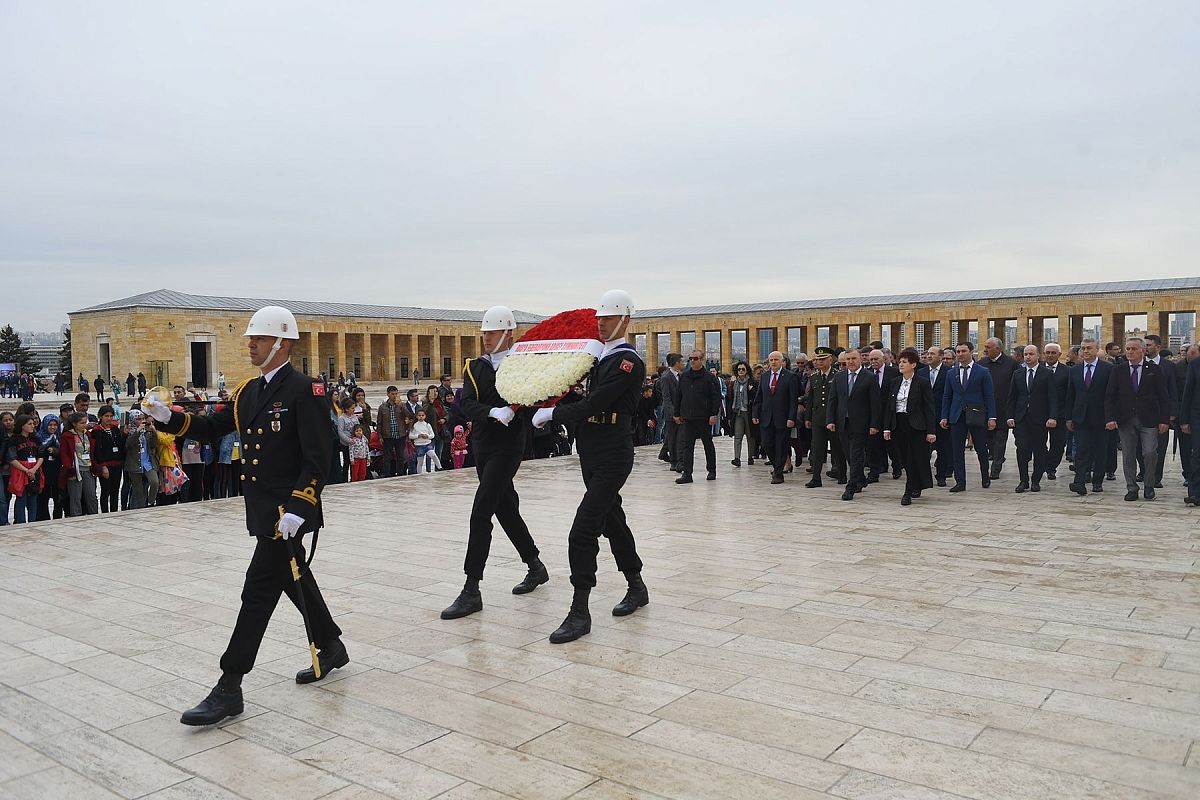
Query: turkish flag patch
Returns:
{"type": "Point", "coordinates": [318, 390]}
{"type": "Point", "coordinates": [627, 365]}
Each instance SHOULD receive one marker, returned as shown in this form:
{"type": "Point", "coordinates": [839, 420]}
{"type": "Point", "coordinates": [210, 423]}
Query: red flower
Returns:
{"type": "Point", "coordinates": [577, 324]}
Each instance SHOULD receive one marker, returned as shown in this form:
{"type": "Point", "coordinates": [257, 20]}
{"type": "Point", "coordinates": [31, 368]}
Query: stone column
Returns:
{"type": "Point", "coordinates": [368, 361]}
{"type": "Point", "coordinates": [1116, 324]}
{"type": "Point", "coordinates": [810, 337]}
{"type": "Point", "coordinates": [414, 356]}
{"type": "Point", "coordinates": [1064, 333]}
{"type": "Point", "coordinates": [652, 356]}
{"type": "Point", "coordinates": [946, 339]}
{"type": "Point", "coordinates": [726, 349]}
{"type": "Point", "coordinates": [456, 355]}
{"type": "Point", "coordinates": [389, 369]}
{"type": "Point", "coordinates": [339, 355]}
{"type": "Point", "coordinates": [1163, 328]}
{"type": "Point", "coordinates": [984, 328]}
{"type": "Point", "coordinates": [1038, 334]}
{"type": "Point", "coordinates": [1023, 337]}
{"type": "Point", "coordinates": [1077, 329]}
{"type": "Point", "coordinates": [435, 356]}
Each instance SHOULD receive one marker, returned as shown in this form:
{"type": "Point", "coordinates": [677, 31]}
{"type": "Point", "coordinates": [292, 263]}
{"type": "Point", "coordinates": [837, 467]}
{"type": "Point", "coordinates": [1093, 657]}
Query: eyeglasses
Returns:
{"type": "Point", "coordinates": [696, 358]}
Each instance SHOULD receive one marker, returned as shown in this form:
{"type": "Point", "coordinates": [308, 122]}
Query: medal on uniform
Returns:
{"type": "Point", "coordinates": [275, 425]}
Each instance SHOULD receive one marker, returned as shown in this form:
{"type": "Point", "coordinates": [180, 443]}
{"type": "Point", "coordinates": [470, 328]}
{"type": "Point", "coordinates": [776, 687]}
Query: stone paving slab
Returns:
{"type": "Point", "coordinates": [981, 645]}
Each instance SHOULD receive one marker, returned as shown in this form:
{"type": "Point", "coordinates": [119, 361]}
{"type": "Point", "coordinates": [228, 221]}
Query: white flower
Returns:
{"type": "Point", "coordinates": [532, 378]}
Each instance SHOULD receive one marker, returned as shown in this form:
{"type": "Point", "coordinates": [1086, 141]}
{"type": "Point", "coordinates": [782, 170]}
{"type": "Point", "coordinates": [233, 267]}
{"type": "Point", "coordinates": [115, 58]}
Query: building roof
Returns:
{"type": "Point", "coordinates": [167, 298]}
{"type": "Point", "coordinates": [967, 296]}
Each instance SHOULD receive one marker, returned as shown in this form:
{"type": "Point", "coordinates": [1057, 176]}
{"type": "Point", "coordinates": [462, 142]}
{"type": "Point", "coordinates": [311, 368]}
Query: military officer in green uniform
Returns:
{"type": "Point", "coordinates": [820, 384]}
{"type": "Point", "coordinates": [605, 441]}
{"type": "Point", "coordinates": [282, 419]}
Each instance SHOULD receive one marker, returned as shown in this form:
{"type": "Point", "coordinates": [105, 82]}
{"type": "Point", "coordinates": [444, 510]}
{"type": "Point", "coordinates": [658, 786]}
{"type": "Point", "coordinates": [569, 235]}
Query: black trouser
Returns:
{"type": "Point", "coordinates": [879, 451]}
{"type": "Point", "coordinates": [998, 443]}
{"type": "Point", "coordinates": [1058, 445]}
{"type": "Point", "coordinates": [690, 431]}
{"type": "Point", "coordinates": [855, 446]}
{"type": "Point", "coordinates": [670, 441]}
{"type": "Point", "coordinates": [496, 496]}
{"type": "Point", "coordinates": [945, 456]}
{"type": "Point", "coordinates": [1091, 443]}
{"type": "Point", "coordinates": [110, 490]}
{"type": "Point", "coordinates": [1111, 443]}
{"type": "Point", "coordinates": [822, 439]}
{"type": "Point", "coordinates": [776, 442]}
{"type": "Point", "coordinates": [394, 462]}
{"type": "Point", "coordinates": [606, 459]}
{"type": "Point", "coordinates": [914, 454]}
{"type": "Point", "coordinates": [1031, 443]}
{"type": "Point", "coordinates": [1185, 457]}
{"type": "Point", "coordinates": [193, 490]}
{"type": "Point", "coordinates": [958, 443]}
{"type": "Point", "coordinates": [1193, 473]}
{"type": "Point", "coordinates": [268, 576]}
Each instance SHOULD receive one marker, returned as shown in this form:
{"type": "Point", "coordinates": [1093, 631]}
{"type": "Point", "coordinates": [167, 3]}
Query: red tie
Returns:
{"type": "Point", "coordinates": [774, 380]}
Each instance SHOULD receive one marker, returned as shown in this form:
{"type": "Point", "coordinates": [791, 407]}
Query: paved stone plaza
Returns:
{"type": "Point", "coordinates": [981, 645]}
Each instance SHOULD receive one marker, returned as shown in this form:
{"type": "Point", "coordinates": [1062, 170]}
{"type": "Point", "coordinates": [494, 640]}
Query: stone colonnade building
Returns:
{"type": "Point", "coordinates": [1037, 314]}
{"type": "Point", "coordinates": [174, 338]}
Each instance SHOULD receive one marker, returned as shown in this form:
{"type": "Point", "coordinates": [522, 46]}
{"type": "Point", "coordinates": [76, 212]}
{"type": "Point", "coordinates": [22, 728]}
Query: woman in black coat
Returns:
{"type": "Point", "coordinates": [909, 417]}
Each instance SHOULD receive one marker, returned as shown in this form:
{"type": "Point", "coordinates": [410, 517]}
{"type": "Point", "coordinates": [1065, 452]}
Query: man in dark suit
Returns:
{"type": "Point", "coordinates": [670, 395]}
{"type": "Point", "coordinates": [936, 373]}
{"type": "Point", "coordinates": [969, 407]}
{"type": "Point", "coordinates": [854, 412]}
{"type": "Point", "coordinates": [1085, 416]}
{"type": "Point", "coordinates": [775, 408]}
{"type": "Point", "coordinates": [879, 450]}
{"type": "Point", "coordinates": [1138, 406]}
{"type": "Point", "coordinates": [1189, 354]}
{"type": "Point", "coordinates": [1002, 367]}
{"type": "Point", "coordinates": [1060, 375]}
{"type": "Point", "coordinates": [1189, 415]}
{"type": "Point", "coordinates": [1153, 346]}
{"type": "Point", "coordinates": [699, 405]}
{"type": "Point", "coordinates": [1033, 411]}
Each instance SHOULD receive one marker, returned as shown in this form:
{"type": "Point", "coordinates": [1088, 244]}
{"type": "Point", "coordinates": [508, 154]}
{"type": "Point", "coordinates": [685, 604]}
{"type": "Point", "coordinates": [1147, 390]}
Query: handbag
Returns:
{"type": "Point", "coordinates": [173, 479]}
{"type": "Point", "coordinates": [18, 482]}
{"type": "Point", "coordinates": [975, 415]}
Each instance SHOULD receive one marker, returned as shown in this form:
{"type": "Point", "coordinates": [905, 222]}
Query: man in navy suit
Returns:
{"type": "Point", "coordinates": [1137, 404]}
{"type": "Point", "coordinates": [968, 391]}
{"type": "Point", "coordinates": [854, 412]}
{"type": "Point", "coordinates": [936, 372]}
{"type": "Point", "coordinates": [1033, 412]}
{"type": "Point", "coordinates": [775, 409]}
{"type": "Point", "coordinates": [1085, 416]}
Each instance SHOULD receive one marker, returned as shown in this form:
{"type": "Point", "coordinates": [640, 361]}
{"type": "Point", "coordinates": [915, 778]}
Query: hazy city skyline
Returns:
{"type": "Point", "coordinates": [539, 153]}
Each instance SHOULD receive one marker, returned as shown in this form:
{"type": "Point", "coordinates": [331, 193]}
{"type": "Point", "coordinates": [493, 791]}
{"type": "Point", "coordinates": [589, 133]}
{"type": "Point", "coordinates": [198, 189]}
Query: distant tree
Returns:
{"type": "Point", "coordinates": [64, 355]}
{"type": "Point", "coordinates": [13, 352]}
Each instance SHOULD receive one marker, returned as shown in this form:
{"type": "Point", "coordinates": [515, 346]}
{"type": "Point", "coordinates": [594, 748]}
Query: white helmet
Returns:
{"type": "Point", "coordinates": [615, 303]}
{"type": "Point", "coordinates": [274, 321]}
{"type": "Point", "coordinates": [498, 318]}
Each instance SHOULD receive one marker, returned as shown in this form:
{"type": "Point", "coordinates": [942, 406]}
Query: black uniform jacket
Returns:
{"type": "Point", "coordinates": [922, 413]}
{"type": "Point", "coordinates": [286, 446]}
{"type": "Point", "coordinates": [479, 396]}
{"type": "Point", "coordinates": [1039, 401]}
{"type": "Point", "coordinates": [857, 411]}
{"type": "Point", "coordinates": [614, 386]}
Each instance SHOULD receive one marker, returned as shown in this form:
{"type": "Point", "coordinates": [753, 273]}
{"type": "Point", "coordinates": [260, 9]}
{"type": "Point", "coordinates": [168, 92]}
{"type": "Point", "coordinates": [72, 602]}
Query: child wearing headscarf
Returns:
{"type": "Point", "coordinates": [48, 435]}
{"type": "Point", "coordinates": [458, 447]}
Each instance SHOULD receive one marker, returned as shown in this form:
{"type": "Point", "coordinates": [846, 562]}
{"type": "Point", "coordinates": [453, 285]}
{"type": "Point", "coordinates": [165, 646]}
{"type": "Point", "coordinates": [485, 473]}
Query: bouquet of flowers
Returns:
{"type": "Point", "coordinates": [550, 358]}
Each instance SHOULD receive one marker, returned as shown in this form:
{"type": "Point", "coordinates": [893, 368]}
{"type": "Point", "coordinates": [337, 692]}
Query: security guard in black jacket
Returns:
{"type": "Point", "coordinates": [605, 441]}
{"type": "Point", "coordinates": [282, 420]}
{"type": "Point", "coordinates": [498, 437]}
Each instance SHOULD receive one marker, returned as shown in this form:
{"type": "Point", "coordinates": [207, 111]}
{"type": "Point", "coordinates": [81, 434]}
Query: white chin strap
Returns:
{"type": "Point", "coordinates": [271, 353]}
{"type": "Point", "coordinates": [500, 344]}
{"type": "Point", "coordinates": [624, 321]}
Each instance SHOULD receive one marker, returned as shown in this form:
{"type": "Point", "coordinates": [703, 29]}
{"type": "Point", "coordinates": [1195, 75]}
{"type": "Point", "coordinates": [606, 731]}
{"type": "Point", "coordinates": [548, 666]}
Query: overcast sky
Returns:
{"type": "Point", "coordinates": [463, 154]}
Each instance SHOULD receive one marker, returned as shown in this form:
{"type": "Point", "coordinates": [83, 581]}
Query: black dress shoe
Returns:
{"type": "Point", "coordinates": [750, 462]}
{"type": "Point", "coordinates": [841, 481]}
{"type": "Point", "coordinates": [872, 479]}
{"type": "Point", "coordinates": [633, 600]}
{"type": "Point", "coordinates": [219, 704]}
{"type": "Point", "coordinates": [1098, 487]}
{"type": "Point", "coordinates": [1035, 487]}
{"type": "Point", "coordinates": [536, 576]}
{"type": "Point", "coordinates": [1022, 488]}
{"type": "Point", "coordinates": [1050, 476]}
{"type": "Point", "coordinates": [995, 475]}
{"type": "Point", "coordinates": [1112, 476]}
{"type": "Point", "coordinates": [958, 487]}
{"type": "Point", "coordinates": [1131, 496]}
{"type": "Point", "coordinates": [736, 462]}
{"type": "Point", "coordinates": [577, 623]}
{"type": "Point", "coordinates": [684, 479]}
{"type": "Point", "coordinates": [1149, 493]}
{"type": "Point", "coordinates": [1138, 478]}
{"type": "Point", "coordinates": [906, 500]}
{"type": "Point", "coordinates": [776, 479]}
{"type": "Point", "coordinates": [1158, 485]}
{"type": "Point", "coordinates": [915, 494]}
{"type": "Point", "coordinates": [832, 474]}
{"type": "Point", "coordinates": [896, 473]}
{"type": "Point", "coordinates": [941, 482]}
{"type": "Point", "coordinates": [787, 470]}
{"type": "Point", "coordinates": [1191, 501]}
{"type": "Point", "coordinates": [815, 483]}
{"type": "Point", "coordinates": [1078, 488]}
{"type": "Point", "coordinates": [712, 476]}
{"type": "Point", "coordinates": [848, 494]}
{"type": "Point", "coordinates": [465, 604]}
{"type": "Point", "coordinates": [329, 660]}
{"type": "Point", "coordinates": [1071, 467]}
{"type": "Point", "coordinates": [985, 482]}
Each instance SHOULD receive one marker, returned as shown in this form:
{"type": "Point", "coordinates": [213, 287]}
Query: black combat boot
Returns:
{"type": "Point", "coordinates": [225, 700]}
{"type": "Point", "coordinates": [578, 622]}
{"type": "Point", "coordinates": [469, 601]}
{"type": "Point", "coordinates": [536, 576]}
{"type": "Point", "coordinates": [635, 597]}
{"type": "Point", "coordinates": [330, 658]}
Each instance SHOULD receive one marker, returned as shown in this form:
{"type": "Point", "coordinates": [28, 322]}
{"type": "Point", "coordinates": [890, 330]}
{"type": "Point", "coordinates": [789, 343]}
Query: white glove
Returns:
{"type": "Point", "coordinates": [156, 409]}
{"type": "Point", "coordinates": [289, 524]}
{"type": "Point", "coordinates": [542, 416]}
{"type": "Point", "coordinates": [503, 415]}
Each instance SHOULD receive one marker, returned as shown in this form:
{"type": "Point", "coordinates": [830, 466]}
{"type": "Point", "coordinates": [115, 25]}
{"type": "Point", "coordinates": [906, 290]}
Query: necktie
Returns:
{"type": "Point", "coordinates": [966, 373]}
{"type": "Point", "coordinates": [880, 374]}
{"type": "Point", "coordinates": [850, 385]}
{"type": "Point", "coordinates": [1087, 375]}
{"type": "Point", "coordinates": [932, 377]}
{"type": "Point", "coordinates": [1028, 379]}
{"type": "Point", "coordinates": [1135, 376]}
{"type": "Point", "coordinates": [774, 380]}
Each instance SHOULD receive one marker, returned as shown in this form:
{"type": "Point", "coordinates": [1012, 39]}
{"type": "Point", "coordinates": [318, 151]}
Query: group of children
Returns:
{"type": "Point", "coordinates": [366, 452]}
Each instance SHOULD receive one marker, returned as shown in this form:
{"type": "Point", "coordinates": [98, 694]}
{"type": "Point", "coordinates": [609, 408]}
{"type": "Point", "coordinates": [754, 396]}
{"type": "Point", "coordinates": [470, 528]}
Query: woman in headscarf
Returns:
{"type": "Point", "coordinates": [48, 435]}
